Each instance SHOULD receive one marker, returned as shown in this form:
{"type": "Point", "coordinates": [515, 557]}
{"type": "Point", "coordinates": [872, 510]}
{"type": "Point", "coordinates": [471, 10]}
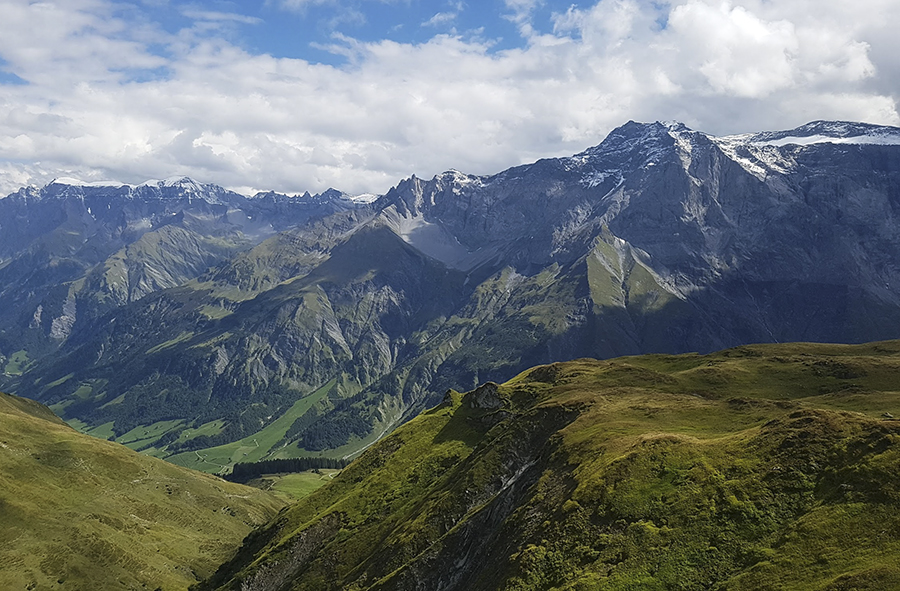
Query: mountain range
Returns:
{"type": "Point", "coordinates": [208, 328]}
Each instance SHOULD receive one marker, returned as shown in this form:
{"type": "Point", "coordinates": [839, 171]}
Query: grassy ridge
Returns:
{"type": "Point", "coordinates": [82, 513]}
{"type": "Point", "coordinates": [760, 467]}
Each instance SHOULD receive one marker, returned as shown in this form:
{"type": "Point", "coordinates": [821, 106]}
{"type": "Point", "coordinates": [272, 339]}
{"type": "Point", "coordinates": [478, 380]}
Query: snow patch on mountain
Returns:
{"type": "Point", "coordinates": [73, 182]}
{"type": "Point", "coordinates": [684, 142]}
{"type": "Point", "coordinates": [183, 182]}
{"type": "Point", "coordinates": [764, 153]}
{"type": "Point", "coordinates": [597, 177]}
{"type": "Point", "coordinates": [821, 132]}
{"type": "Point", "coordinates": [878, 139]}
{"type": "Point", "coordinates": [461, 179]}
{"type": "Point", "coordinates": [760, 160]}
{"type": "Point", "coordinates": [186, 184]}
{"type": "Point", "coordinates": [362, 199]}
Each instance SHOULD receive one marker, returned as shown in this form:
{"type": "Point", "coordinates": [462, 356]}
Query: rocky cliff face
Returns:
{"type": "Point", "coordinates": [660, 239]}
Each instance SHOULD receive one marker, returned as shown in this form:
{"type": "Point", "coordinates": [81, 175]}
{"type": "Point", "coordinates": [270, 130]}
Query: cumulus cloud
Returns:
{"type": "Point", "coordinates": [103, 102]}
{"type": "Point", "coordinates": [737, 52]}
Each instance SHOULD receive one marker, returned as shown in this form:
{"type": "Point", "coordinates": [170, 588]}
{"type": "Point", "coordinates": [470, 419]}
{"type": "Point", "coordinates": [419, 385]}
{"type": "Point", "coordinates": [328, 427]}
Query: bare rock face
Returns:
{"type": "Point", "coordinates": [62, 325]}
{"type": "Point", "coordinates": [484, 397]}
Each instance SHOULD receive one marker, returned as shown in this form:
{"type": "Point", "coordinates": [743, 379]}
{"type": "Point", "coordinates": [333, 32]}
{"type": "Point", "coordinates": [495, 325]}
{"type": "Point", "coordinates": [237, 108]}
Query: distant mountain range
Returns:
{"type": "Point", "coordinates": [243, 328]}
{"type": "Point", "coordinates": [108, 245]}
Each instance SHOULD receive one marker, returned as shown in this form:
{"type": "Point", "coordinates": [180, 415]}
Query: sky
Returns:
{"type": "Point", "coordinates": [303, 95]}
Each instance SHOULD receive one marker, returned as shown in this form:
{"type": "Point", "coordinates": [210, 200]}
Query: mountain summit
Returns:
{"type": "Point", "coordinates": [360, 313]}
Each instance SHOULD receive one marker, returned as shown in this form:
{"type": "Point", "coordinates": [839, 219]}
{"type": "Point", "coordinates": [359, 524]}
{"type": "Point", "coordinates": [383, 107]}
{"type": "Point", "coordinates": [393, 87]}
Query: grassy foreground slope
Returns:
{"type": "Point", "coordinates": [82, 513]}
{"type": "Point", "coordinates": [760, 467]}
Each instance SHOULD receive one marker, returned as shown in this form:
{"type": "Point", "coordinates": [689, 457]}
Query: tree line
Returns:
{"type": "Point", "coordinates": [244, 471]}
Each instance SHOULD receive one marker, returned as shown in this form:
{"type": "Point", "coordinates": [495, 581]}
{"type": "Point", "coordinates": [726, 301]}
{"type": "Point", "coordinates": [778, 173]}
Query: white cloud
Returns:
{"type": "Point", "coordinates": [215, 16]}
{"type": "Point", "coordinates": [298, 5]}
{"type": "Point", "coordinates": [440, 19]}
{"type": "Point", "coordinates": [301, 5]}
{"type": "Point", "coordinates": [521, 13]}
{"type": "Point", "coordinates": [737, 52]}
{"type": "Point", "coordinates": [101, 104]}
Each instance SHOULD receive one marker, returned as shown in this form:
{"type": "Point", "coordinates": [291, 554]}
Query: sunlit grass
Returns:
{"type": "Point", "coordinates": [759, 467]}
{"type": "Point", "coordinates": [82, 513]}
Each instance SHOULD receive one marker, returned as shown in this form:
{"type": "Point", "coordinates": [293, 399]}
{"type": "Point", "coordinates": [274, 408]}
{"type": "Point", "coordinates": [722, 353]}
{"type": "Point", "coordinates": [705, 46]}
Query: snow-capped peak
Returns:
{"type": "Point", "coordinates": [362, 198]}
{"type": "Point", "coordinates": [182, 182]}
{"type": "Point", "coordinates": [820, 132]}
{"type": "Point", "coordinates": [887, 139]}
{"type": "Point", "coordinates": [675, 126]}
{"type": "Point", "coordinates": [762, 153]}
{"type": "Point", "coordinates": [633, 137]}
{"type": "Point", "coordinates": [73, 182]}
{"type": "Point", "coordinates": [460, 178]}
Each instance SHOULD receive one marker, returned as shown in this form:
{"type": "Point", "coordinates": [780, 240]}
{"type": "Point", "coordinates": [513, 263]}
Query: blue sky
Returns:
{"type": "Point", "coordinates": [306, 32]}
{"type": "Point", "coordinates": [296, 95]}
{"type": "Point", "coordinates": [312, 30]}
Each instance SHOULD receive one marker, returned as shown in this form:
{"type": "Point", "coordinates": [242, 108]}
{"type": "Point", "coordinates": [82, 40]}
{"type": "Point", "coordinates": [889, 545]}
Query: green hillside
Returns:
{"type": "Point", "coordinates": [759, 467]}
{"type": "Point", "coordinates": [85, 514]}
